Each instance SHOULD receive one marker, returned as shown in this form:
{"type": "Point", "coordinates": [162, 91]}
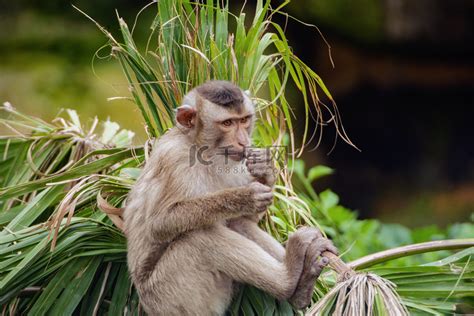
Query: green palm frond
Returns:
{"type": "Point", "coordinates": [191, 43]}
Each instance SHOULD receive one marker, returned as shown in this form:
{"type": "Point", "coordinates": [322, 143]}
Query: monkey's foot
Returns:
{"type": "Point", "coordinates": [300, 240]}
{"type": "Point", "coordinates": [297, 246]}
{"type": "Point", "coordinates": [313, 265]}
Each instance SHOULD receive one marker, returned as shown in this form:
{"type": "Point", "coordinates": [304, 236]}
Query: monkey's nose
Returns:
{"type": "Point", "coordinates": [243, 144]}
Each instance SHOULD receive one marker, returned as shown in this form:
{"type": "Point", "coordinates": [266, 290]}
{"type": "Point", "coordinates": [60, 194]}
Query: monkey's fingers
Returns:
{"type": "Point", "coordinates": [325, 244]}
{"type": "Point", "coordinates": [264, 196]}
{"type": "Point", "coordinates": [318, 267]}
{"type": "Point", "coordinates": [263, 200]}
{"type": "Point", "coordinates": [263, 177]}
{"type": "Point", "coordinates": [262, 156]}
{"type": "Point", "coordinates": [316, 262]}
{"type": "Point", "coordinates": [304, 237]}
{"type": "Point", "coordinates": [258, 188]}
{"type": "Point", "coordinates": [261, 206]}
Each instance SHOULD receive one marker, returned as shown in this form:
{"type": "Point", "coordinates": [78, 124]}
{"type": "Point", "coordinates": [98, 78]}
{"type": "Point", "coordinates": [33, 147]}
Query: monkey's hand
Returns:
{"type": "Point", "coordinates": [261, 197]}
{"type": "Point", "coordinates": [314, 263]}
{"type": "Point", "coordinates": [260, 165]}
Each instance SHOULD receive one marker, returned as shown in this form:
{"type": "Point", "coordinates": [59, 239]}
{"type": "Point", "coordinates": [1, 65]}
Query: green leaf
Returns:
{"type": "Point", "coordinates": [120, 292]}
{"type": "Point", "coordinates": [279, 222]}
{"type": "Point", "coordinates": [394, 235]}
{"type": "Point", "coordinates": [132, 173]}
{"type": "Point", "coordinates": [318, 172]}
{"type": "Point", "coordinates": [77, 288]}
{"type": "Point", "coordinates": [329, 199]}
{"type": "Point", "coordinates": [24, 264]}
{"type": "Point", "coordinates": [453, 258]}
{"type": "Point", "coordinates": [7, 216]}
{"type": "Point", "coordinates": [57, 284]}
{"type": "Point", "coordinates": [73, 173]}
{"type": "Point", "coordinates": [35, 208]}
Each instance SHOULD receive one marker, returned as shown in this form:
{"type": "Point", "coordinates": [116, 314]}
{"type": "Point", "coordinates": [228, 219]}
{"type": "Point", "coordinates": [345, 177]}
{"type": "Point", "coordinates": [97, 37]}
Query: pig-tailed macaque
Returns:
{"type": "Point", "coordinates": [191, 226]}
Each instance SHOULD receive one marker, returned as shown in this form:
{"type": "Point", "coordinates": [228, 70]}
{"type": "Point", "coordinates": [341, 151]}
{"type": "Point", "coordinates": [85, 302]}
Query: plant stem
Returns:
{"type": "Point", "coordinates": [342, 269]}
{"type": "Point", "coordinates": [409, 250]}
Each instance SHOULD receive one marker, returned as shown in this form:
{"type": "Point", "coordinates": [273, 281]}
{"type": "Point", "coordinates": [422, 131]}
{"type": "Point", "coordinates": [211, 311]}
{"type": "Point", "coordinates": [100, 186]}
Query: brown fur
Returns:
{"type": "Point", "coordinates": [222, 93]}
{"type": "Point", "coordinates": [192, 232]}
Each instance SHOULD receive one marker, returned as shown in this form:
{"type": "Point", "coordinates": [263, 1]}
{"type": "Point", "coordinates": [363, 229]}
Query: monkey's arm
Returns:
{"type": "Point", "coordinates": [207, 210]}
{"type": "Point", "coordinates": [249, 228]}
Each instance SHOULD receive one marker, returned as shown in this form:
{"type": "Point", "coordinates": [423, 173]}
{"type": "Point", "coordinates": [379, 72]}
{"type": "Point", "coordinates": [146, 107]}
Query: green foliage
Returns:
{"type": "Point", "coordinates": [429, 283]}
{"type": "Point", "coordinates": [191, 43]}
{"type": "Point", "coordinates": [55, 173]}
{"type": "Point", "coordinates": [354, 237]}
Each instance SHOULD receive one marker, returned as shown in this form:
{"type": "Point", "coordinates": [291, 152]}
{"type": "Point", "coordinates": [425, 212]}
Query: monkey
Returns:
{"type": "Point", "coordinates": [192, 227]}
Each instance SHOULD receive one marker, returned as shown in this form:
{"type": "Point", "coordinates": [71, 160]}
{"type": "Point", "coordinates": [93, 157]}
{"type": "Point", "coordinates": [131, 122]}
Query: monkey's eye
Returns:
{"type": "Point", "coordinates": [227, 123]}
{"type": "Point", "coordinates": [244, 120]}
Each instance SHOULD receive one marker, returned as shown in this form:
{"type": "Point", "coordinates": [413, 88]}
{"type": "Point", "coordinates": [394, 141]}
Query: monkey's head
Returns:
{"type": "Point", "coordinates": [220, 116]}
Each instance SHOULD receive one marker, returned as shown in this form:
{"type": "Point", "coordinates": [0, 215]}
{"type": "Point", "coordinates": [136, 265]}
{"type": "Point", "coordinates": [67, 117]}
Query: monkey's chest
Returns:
{"type": "Point", "coordinates": [215, 179]}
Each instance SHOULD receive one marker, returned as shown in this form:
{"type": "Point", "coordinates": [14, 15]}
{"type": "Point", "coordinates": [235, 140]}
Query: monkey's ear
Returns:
{"type": "Point", "coordinates": [185, 115]}
{"type": "Point", "coordinates": [247, 92]}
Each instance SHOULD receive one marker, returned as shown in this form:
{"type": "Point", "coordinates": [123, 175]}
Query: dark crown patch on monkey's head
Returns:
{"type": "Point", "coordinates": [223, 93]}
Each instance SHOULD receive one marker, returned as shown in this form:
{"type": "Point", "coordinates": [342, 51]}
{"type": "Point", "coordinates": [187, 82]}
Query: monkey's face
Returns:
{"type": "Point", "coordinates": [219, 116]}
{"type": "Point", "coordinates": [235, 135]}
{"type": "Point", "coordinates": [227, 131]}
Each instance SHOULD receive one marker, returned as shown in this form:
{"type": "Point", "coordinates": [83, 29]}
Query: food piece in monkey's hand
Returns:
{"type": "Point", "coordinates": [313, 265]}
{"type": "Point", "coordinates": [260, 165]}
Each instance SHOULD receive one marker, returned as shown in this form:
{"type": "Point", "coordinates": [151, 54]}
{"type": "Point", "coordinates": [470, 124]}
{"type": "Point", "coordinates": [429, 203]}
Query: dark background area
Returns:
{"type": "Point", "coordinates": [403, 81]}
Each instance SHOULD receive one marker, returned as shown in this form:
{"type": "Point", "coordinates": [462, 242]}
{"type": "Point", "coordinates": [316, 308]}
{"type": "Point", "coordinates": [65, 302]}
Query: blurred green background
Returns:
{"type": "Point", "coordinates": [403, 80]}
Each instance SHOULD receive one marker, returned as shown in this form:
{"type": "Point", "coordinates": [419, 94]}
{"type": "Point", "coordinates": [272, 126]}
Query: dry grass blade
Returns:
{"type": "Point", "coordinates": [67, 206]}
{"type": "Point", "coordinates": [356, 296]}
{"type": "Point", "coordinates": [360, 294]}
{"type": "Point", "coordinates": [114, 213]}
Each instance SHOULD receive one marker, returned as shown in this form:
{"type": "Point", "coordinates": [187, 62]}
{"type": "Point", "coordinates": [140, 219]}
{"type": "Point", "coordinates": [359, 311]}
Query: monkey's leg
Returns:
{"type": "Point", "coordinates": [246, 262]}
{"type": "Point", "coordinates": [313, 265]}
{"type": "Point", "coordinates": [249, 228]}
